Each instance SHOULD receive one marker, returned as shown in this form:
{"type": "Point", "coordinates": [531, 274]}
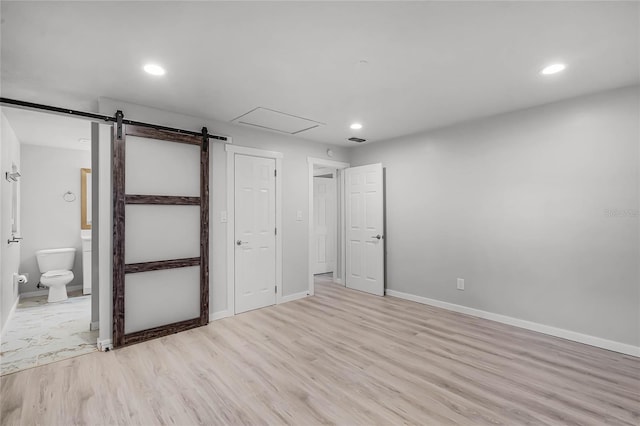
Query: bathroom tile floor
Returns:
{"type": "Point", "coordinates": [40, 333]}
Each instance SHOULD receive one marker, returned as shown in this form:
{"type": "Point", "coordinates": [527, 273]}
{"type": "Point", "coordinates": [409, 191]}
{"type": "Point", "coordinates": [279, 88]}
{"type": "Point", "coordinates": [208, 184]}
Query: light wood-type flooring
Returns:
{"type": "Point", "coordinates": [340, 357]}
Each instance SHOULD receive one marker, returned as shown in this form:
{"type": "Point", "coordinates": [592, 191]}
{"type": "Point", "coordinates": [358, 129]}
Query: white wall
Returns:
{"type": "Point", "coordinates": [294, 187]}
{"type": "Point", "coordinates": [517, 205]}
{"type": "Point", "coordinates": [9, 253]}
{"type": "Point", "coordinates": [48, 221]}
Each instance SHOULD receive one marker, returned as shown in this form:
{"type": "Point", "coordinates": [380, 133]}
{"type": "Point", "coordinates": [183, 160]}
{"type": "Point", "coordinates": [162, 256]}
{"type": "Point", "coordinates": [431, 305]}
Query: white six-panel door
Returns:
{"type": "Point", "coordinates": [324, 223]}
{"type": "Point", "coordinates": [255, 227]}
{"type": "Point", "coordinates": [364, 229]}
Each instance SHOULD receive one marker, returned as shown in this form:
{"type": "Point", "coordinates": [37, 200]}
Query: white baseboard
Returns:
{"type": "Point", "coordinates": [95, 325]}
{"type": "Point", "coordinates": [219, 315]}
{"type": "Point", "coordinates": [529, 325]}
{"type": "Point", "coordinates": [227, 313]}
{"type": "Point", "coordinates": [105, 345]}
{"type": "Point", "coordinates": [295, 296]}
{"type": "Point", "coordinates": [11, 312]}
{"type": "Point", "coordinates": [46, 291]}
{"type": "Point", "coordinates": [338, 281]}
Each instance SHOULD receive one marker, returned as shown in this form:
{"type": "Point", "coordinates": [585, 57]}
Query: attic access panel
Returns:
{"type": "Point", "coordinates": [271, 119]}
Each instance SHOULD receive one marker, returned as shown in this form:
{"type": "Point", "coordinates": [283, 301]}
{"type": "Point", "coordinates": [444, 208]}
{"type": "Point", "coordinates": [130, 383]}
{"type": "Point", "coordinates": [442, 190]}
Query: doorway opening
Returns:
{"type": "Point", "coordinates": [326, 222]}
{"type": "Point", "coordinates": [359, 230]}
{"type": "Point", "coordinates": [49, 255]}
{"type": "Point", "coordinates": [325, 246]}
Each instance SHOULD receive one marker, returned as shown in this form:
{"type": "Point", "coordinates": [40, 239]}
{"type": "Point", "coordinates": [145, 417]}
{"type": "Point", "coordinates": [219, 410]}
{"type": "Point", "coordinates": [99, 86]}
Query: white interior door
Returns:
{"type": "Point", "coordinates": [255, 228]}
{"type": "Point", "coordinates": [364, 229]}
{"type": "Point", "coordinates": [324, 224]}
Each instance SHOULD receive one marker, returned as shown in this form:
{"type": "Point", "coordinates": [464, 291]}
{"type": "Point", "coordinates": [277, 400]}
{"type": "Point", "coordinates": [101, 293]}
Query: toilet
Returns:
{"type": "Point", "coordinates": [55, 266]}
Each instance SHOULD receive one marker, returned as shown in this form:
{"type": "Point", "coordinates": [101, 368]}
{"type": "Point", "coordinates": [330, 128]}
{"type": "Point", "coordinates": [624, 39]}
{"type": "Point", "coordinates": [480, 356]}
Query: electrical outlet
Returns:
{"type": "Point", "coordinates": [223, 217]}
{"type": "Point", "coordinates": [299, 215]}
{"type": "Point", "coordinates": [460, 283]}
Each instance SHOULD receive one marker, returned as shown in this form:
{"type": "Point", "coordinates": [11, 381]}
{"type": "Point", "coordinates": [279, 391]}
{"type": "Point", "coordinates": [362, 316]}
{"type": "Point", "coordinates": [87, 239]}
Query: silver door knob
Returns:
{"type": "Point", "coordinates": [239, 243]}
{"type": "Point", "coordinates": [377, 237]}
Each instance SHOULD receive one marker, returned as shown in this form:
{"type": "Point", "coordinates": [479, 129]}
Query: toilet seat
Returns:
{"type": "Point", "coordinates": [57, 273]}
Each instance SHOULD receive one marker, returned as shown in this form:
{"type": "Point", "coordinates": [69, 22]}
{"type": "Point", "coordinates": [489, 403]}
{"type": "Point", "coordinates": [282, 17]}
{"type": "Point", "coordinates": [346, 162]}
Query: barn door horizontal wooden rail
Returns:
{"type": "Point", "coordinates": [158, 265]}
{"type": "Point", "coordinates": [169, 200]}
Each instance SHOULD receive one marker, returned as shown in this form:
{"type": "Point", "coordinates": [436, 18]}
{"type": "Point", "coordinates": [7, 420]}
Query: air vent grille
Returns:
{"type": "Point", "coordinates": [357, 140]}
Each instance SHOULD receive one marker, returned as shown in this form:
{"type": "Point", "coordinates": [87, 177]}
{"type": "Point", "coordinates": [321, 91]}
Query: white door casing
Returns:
{"type": "Point", "coordinates": [364, 229]}
{"type": "Point", "coordinates": [324, 223]}
{"type": "Point", "coordinates": [255, 233]}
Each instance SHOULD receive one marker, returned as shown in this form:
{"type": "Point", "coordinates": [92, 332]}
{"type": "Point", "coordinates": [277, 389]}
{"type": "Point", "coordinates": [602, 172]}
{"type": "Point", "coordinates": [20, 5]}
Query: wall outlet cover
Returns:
{"type": "Point", "coordinates": [460, 283]}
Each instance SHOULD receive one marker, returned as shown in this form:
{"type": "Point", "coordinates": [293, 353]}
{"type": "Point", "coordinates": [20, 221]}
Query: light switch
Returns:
{"type": "Point", "coordinates": [299, 216]}
{"type": "Point", "coordinates": [223, 217]}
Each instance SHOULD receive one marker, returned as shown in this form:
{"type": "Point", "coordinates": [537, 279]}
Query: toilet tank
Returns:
{"type": "Point", "coordinates": [52, 259]}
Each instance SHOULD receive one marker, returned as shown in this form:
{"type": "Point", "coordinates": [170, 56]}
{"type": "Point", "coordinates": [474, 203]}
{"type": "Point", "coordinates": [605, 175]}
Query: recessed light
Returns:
{"type": "Point", "coordinates": [552, 69]}
{"type": "Point", "coordinates": [356, 126]}
{"type": "Point", "coordinates": [154, 69]}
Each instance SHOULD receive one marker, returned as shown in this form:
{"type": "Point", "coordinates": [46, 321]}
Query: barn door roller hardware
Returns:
{"type": "Point", "coordinates": [101, 117]}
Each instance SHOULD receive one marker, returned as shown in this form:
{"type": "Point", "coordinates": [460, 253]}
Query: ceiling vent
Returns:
{"type": "Point", "coordinates": [357, 140]}
{"type": "Point", "coordinates": [271, 119]}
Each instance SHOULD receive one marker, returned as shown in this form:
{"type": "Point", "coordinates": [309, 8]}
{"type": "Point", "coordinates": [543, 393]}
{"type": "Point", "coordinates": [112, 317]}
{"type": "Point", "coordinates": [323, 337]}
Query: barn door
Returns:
{"type": "Point", "coordinates": [161, 232]}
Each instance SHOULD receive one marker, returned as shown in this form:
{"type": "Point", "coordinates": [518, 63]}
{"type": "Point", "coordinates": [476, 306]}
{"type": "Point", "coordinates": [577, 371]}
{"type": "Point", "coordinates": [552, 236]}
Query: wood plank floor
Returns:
{"type": "Point", "coordinates": [340, 357]}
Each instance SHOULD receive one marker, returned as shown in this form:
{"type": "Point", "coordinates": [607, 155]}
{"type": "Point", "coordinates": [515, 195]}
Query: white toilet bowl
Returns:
{"type": "Point", "coordinates": [57, 281]}
{"type": "Point", "coordinates": [55, 265]}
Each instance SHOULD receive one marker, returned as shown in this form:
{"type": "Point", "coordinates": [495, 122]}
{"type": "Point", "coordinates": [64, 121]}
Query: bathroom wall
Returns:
{"type": "Point", "coordinates": [48, 221]}
{"type": "Point", "coordinates": [9, 253]}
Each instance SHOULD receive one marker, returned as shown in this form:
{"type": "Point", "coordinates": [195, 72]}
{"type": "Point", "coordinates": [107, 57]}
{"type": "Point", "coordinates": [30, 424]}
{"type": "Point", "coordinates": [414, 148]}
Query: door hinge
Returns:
{"type": "Point", "coordinates": [276, 231]}
{"type": "Point", "coordinates": [275, 173]}
{"type": "Point", "coordinates": [276, 289]}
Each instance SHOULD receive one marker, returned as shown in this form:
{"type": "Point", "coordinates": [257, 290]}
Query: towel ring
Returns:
{"type": "Point", "coordinates": [69, 196]}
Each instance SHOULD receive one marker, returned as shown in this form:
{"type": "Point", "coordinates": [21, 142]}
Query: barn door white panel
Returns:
{"type": "Point", "coordinates": [324, 224]}
{"type": "Point", "coordinates": [162, 168]}
{"type": "Point", "coordinates": [255, 224]}
{"type": "Point", "coordinates": [364, 228]}
{"type": "Point", "coordinates": [155, 298]}
{"type": "Point", "coordinates": [161, 232]}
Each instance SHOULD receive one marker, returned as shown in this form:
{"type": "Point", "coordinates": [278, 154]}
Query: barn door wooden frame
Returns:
{"type": "Point", "coordinates": [121, 199]}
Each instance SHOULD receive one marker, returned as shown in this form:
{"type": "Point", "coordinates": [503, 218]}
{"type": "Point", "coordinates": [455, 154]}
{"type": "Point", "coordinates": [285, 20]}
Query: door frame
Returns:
{"type": "Point", "coordinates": [232, 150]}
{"type": "Point", "coordinates": [338, 165]}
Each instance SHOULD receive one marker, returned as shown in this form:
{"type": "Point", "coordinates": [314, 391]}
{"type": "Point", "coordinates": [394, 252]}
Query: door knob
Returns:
{"type": "Point", "coordinates": [239, 243]}
{"type": "Point", "coordinates": [377, 237]}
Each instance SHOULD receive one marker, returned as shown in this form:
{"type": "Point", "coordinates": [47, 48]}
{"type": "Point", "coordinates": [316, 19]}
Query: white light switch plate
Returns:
{"type": "Point", "coordinates": [460, 283]}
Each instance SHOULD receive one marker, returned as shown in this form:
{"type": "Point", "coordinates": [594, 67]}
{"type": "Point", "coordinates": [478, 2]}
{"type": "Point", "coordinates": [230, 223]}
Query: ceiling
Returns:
{"type": "Point", "coordinates": [54, 131]}
{"type": "Point", "coordinates": [396, 67]}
